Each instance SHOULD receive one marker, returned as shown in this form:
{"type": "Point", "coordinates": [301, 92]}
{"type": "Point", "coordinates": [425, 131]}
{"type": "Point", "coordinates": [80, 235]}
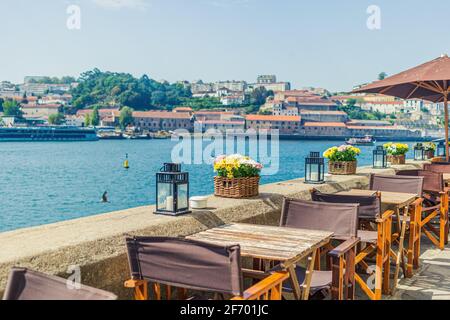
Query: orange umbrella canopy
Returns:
{"type": "Point", "coordinates": [429, 81]}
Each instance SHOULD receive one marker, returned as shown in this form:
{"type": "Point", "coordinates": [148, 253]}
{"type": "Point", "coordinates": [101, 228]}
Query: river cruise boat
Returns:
{"type": "Point", "coordinates": [48, 133]}
{"type": "Point", "coordinates": [366, 141]}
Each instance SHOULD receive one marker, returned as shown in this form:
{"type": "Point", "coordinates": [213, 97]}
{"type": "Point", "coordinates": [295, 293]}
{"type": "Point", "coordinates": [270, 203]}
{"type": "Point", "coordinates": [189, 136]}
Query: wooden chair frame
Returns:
{"type": "Point", "coordinates": [381, 250]}
{"type": "Point", "coordinates": [269, 288]}
{"type": "Point", "coordinates": [438, 237]}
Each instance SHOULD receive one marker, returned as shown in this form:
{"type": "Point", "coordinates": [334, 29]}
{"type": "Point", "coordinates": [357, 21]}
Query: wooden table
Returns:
{"type": "Point", "coordinates": [396, 199]}
{"type": "Point", "coordinates": [399, 201]}
{"type": "Point", "coordinates": [287, 245]}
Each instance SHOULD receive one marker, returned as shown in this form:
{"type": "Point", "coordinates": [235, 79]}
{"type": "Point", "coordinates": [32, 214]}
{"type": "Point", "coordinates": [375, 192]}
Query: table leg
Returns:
{"type": "Point", "coordinates": [400, 255]}
{"type": "Point", "coordinates": [308, 277]}
{"type": "Point", "coordinates": [294, 282]}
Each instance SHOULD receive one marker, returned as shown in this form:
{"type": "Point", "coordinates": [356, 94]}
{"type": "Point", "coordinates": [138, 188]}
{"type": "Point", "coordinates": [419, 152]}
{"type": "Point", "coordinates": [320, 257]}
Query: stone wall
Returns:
{"type": "Point", "coordinates": [96, 244]}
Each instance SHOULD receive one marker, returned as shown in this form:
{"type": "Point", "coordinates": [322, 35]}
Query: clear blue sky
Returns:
{"type": "Point", "coordinates": [310, 43]}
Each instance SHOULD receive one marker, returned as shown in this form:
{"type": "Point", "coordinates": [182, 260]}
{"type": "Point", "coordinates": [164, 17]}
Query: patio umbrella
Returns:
{"type": "Point", "coordinates": [429, 81]}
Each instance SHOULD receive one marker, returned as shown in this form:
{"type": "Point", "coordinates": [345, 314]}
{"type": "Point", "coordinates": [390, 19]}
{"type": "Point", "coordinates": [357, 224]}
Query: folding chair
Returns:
{"type": "Point", "coordinates": [409, 219]}
{"type": "Point", "coordinates": [435, 205]}
{"type": "Point", "coordinates": [342, 220]}
{"type": "Point", "coordinates": [24, 284]}
{"type": "Point", "coordinates": [376, 241]}
{"type": "Point", "coordinates": [186, 264]}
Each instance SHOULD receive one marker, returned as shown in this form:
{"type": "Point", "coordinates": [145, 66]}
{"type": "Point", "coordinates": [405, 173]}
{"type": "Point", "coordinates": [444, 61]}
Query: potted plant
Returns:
{"type": "Point", "coordinates": [396, 152]}
{"type": "Point", "coordinates": [342, 160]}
{"type": "Point", "coordinates": [237, 176]}
{"type": "Point", "coordinates": [430, 149]}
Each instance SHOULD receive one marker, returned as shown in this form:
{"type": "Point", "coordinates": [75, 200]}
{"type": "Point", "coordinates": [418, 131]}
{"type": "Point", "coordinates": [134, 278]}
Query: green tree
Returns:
{"type": "Point", "coordinates": [56, 118]}
{"type": "Point", "coordinates": [382, 76]}
{"type": "Point", "coordinates": [95, 121]}
{"type": "Point", "coordinates": [87, 120]}
{"type": "Point", "coordinates": [11, 109]}
{"type": "Point", "coordinates": [1, 104]}
{"type": "Point", "coordinates": [126, 117]}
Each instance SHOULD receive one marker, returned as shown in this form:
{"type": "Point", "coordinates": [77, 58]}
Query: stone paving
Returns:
{"type": "Point", "coordinates": [432, 280]}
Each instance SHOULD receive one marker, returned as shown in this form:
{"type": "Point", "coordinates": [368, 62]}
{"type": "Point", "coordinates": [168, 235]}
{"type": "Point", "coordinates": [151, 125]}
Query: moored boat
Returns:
{"type": "Point", "coordinates": [47, 133]}
{"type": "Point", "coordinates": [366, 141]}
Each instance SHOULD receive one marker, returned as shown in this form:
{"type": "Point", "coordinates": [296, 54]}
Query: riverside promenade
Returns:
{"type": "Point", "coordinates": [96, 244]}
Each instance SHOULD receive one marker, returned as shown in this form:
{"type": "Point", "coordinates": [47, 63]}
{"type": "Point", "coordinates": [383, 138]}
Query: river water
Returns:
{"type": "Point", "coordinates": [48, 182]}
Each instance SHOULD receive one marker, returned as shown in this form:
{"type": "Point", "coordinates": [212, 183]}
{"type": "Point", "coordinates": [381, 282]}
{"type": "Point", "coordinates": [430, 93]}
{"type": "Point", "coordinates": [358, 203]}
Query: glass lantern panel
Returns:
{"type": "Point", "coordinates": [182, 201]}
{"type": "Point", "coordinates": [378, 161]}
{"type": "Point", "coordinates": [165, 197]}
{"type": "Point", "coordinates": [314, 174]}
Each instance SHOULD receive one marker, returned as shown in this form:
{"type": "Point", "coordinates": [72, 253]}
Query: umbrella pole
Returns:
{"type": "Point", "coordinates": [447, 155]}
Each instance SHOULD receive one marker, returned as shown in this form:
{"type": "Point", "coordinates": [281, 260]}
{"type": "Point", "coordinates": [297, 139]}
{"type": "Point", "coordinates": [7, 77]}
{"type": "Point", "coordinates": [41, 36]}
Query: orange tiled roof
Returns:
{"type": "Point", "coordinates": [376, 128]}
{"type": "Point", "coordinates": [254, 117]}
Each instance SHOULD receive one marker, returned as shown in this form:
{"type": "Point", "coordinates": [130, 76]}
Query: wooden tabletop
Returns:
{"type": "Point", "coordinates": [398, 199]}
{"type": "Point", "coordinates": [266, 242]}
{"type": "Point", "coordinates": [447, 177]}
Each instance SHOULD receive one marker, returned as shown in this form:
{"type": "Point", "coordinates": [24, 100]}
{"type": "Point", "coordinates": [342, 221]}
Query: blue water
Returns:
{"type": "Point", "coordinates": [46, 182]}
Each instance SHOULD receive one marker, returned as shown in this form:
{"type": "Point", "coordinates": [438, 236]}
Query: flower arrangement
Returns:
{"type": "Point", "coordinates": [344, 153]}
{"type": "Point", "coordinates": [429, 146]}
{"type": "Point", "coordinates": [396, 149]}
{"type": "Point", "coordinates": [236, 166]}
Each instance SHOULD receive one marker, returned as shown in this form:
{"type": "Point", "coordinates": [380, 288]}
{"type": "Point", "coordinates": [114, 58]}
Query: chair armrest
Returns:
{"type": "Point", "coordinates": [344, 247]}
{"type": "Point", "coordinates": [264, 286]}
{"type": "Point", "coordinates": [385, 216]}
{"type": "Point", "coordinates": [134, 283]}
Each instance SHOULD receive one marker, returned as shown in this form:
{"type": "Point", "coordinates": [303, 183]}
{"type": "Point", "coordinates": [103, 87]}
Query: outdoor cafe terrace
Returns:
{"type": "Point", "coordinates": [97, 244]}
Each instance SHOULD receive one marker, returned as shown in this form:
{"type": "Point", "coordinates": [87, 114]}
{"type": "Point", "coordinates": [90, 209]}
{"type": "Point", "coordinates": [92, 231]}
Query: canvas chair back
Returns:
{"type": "Point", "coordinates": [437, 167]}
{"type": "Point", "coordinates": [341, 219]}
{"type": "Point", "coordinates": [186, 264]}
{"type": "Point", "coordinates": [432, 181]}
{"type": "Point", "coordinates": [405, 184]}
{"type": "Point", "coordinates": [369, 206]}
{"type": "Point", "coordinates": [24, 284]}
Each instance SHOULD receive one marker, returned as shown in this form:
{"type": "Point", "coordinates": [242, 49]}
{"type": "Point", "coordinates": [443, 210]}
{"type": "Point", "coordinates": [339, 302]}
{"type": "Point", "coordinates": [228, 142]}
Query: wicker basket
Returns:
{"type": "Point", "coordinates": [429, 154]}
{"type": "Point", "coordinates": [396, 160]}
{"type": "Point", "coordinates": [236, 187]}
{"type": "Point", "coordinates": [342, 167]}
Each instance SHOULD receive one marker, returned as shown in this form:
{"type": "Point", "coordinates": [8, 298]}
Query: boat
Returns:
{"type": "Point", "coordinates": [366, 141]}
{"type": "Point", "coordinates": [47, 133]}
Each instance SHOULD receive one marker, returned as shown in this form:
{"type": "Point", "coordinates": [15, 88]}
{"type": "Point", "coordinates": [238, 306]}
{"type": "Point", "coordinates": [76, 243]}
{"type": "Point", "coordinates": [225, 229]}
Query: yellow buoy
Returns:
{"type": "Point", "coordinates": [126, 165]}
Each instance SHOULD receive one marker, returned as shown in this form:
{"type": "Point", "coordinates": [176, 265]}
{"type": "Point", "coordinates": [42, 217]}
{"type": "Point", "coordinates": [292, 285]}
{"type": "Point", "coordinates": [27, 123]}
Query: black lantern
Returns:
{"type": "Point", "coordinates": [419, 153]}
{"type": "Point", "coordinates": [379, 158]}
{"type": "Point", "coordinates": [314, 169]}
{"type": "Point", "coordinates": [172, 190]}
{"type": "Point", "coordinates": [441, 149]}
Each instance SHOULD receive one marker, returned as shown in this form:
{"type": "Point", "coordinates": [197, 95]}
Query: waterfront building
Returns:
{"type": "Point", "coordinates": [269, 82]}
{"type": "Point", "coordinates": [219, 125]}
{"type": "Point", "coordinates": [369, 123]}
{"type": "Point", "coordinates": [39, 110]}
{"type": "Point", "coordinates": [162, 120]}
{"type": "Point", "coordinates": [398, 132]}
{"type": "Point", "coordinates": [324, 129]}
{"type": "Point", "coordinates": [285, 124]}
{"type": "Point", "coordinates": [323, 116]}
{"type": "Point", "coordinates": [215, 115]}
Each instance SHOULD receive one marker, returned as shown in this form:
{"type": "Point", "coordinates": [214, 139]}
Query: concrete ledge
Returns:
{"type": "Point", "coordinates": [96, 243]}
